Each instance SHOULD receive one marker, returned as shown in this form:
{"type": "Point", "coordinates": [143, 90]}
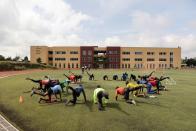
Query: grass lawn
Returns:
{"type": "Point", "coordinates": [172, 110]}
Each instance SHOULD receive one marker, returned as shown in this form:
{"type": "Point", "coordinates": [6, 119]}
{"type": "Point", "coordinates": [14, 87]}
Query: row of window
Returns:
{"type": "Point", "coordinates": [113, 52]}
{"type": "Point", "coordinates": [89, 59]}
{"type": "Point", "coordinates": [62, 52]}
{"type": "Point", "coordinates": [62, 59]}
{"type": "Point", "coordinates": [86, 59]}
{"type": "Point", "coordinates": [114, 66]}
{"type": "Point", "coordinates": [148, 66]}
{"type": "Point", "coordinates": [87, 52]}
{"type": "Point", "coordinates": [148, 59]}
{"type": "Point", "coordinates": [114, 60]}
{"type": "Point", "coordinates": [148, 53]}
{"type": "Point", "coordinates": [63, 65]}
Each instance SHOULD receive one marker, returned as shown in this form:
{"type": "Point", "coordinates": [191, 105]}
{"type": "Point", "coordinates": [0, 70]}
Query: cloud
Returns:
{"type": "Point", "coordinates": [24, 23]}
{"type": "Point", "coordinates": [186, 42]}
{"type": "Point", "coordinates": [147, 22]}
{"type": "Point", "coordinates": [114, 7]}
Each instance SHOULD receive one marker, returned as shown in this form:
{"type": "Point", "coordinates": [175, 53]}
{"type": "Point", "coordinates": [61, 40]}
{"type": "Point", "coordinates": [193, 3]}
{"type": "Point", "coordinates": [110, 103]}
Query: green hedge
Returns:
{"type": "Point", "coordinates": [10, 65]}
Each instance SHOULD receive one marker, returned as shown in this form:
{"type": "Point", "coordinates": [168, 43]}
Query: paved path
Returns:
{"type": "Point", "coordinates": [4, 124]}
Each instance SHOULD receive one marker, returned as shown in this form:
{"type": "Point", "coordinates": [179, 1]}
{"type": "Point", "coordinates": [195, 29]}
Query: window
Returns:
{"type": "Point", "coordinates": [150, 59]}
{"type": "Point", "coordinates": [77, 65]}
{"type": "Point", "coordinates": [59, 65]}
{"type": "Point", "coordinates": [84, 52]}
{"type": "Point", "coordinates": [122, 65]}
{"type": "Point", "coordinates": [171, 59]}
{"type": "Point", "coordinates": [83, 59]}
{"type": "Point", "coordinates": [126, 53]}
{"type": "Point", "coordinates": [138, 59]}
{"type": "Point", "coordinates": [72, 66]}
{"type": "Point", "coordinates": [125, 65]}
{"type": "Point", "coordinates": [162, 59]}
{"type": "Point", "coordinates": [115, 52]}
{"type": "Point", "coordinates": [171, 53]}
{"type": "Point", "coordinates": [50, 58]}
{"type": "Point", "coordinates": [138, 53]}
{"type": "Point", "coordinates": [64, 66]}
{"type": "Point", "coordinates": [60, 52]}
{"type": "Point", "coordinates": [126, 59]}
{"type": "Point", "coordinates": [90, 52]}
{"type": "Point", "coordinates": [68, 65]}
{"type": "Point", "coordinates": [162, 53]}
{"type": "Point", "coordinates": [150, 53]}
{"type": "Point", "coordinates": [89, 59]}
{"type": "Point", "coordinates": [73, 59]}
{"type": "Point", "coordinates": [110, 52]}
{"type": "Point", "coordinates": [129, 66]}
{"type": "Point", "coordinates": [73, 52]}
{"type": "Point", "coordinates": [50, 52]}
{"type": "Point", "coordinates": [60, 59]}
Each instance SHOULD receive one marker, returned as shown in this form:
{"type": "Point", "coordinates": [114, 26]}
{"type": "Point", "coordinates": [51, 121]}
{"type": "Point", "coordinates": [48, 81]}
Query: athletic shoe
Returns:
{"type": "Point", "coordinates": [133, 101]}
{"type": "Point", "coordinates": [32, 92]}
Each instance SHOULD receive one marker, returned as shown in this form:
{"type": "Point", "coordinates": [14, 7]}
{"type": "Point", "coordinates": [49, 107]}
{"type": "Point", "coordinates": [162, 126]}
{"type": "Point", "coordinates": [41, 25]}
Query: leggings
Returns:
{"type": "Point", "coordinates": [74, 94]}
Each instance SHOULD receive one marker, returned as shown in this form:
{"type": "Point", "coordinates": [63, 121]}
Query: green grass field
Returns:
{"type": "Point", "coordinates": [172, 110]}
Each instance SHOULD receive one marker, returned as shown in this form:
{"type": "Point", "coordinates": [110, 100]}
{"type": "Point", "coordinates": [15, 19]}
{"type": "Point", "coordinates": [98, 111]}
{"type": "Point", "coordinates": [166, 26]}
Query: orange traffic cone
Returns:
{"type": "Point", "coordinates": [21, 99]}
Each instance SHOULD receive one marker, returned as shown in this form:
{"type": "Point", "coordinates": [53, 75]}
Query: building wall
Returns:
{"type": "Point", "coordinates": [64, 57]}
{"type": "Point", "coordinates": [39, 51]}
{"type": "Point", "coordinates": [150, 58]}
{"type": "Point", "coordinates": [118, 57]}
{"type": "Point", "coordinates": [87, 56]}
{"type": "Point", "coordinates": [113, 56]}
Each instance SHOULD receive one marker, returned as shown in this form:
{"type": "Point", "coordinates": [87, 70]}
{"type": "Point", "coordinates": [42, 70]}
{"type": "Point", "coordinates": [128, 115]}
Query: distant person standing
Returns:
{"type": "Point", "coordinates": [82, 69]}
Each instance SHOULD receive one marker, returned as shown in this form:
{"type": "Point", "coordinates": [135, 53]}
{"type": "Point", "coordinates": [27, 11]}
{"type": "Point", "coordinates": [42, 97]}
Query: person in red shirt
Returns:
{"type": "Point", "coordinates": [125, 92]}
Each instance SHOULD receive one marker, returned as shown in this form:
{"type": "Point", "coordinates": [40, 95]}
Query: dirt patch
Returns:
{"type": "Point", "coordinates": [4, 74]}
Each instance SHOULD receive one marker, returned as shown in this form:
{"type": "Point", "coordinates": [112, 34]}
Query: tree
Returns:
{"type": "Point", "coordinates": [39, 60]}
{"type": "Point", "coordinates": [2, 58]}
{"type": "Point", "coordinates": [9, 58]}
{"type": "Point", "coordinates": [191, 62]}
{"type": "Point", "coordinates": [16, 58]}
{"type": "Point", "coordinates": [26, 59]}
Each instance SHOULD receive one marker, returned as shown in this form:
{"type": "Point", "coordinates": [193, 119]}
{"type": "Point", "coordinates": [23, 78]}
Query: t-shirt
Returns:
{"type": "Point", "coordinates": [153, 83]}
{"type": "Point", "coordinates": [56, 89]}
{"type": "Point", "coordinates": [79, 89]}
{"type": "Point", "coordinates": [44, 82]}
{"type": "Point", "coordinates": [132, 85]}
{"type": "Point", "coordinates": [72, 77]}
{"type": "Point", "coordinates": [96, 91]}
{"type": "Point", "coordinates": [120, 91]}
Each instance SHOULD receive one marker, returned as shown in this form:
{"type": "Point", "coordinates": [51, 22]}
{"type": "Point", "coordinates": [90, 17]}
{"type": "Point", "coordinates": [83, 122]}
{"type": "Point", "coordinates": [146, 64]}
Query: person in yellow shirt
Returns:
{"type": "Point", "coordinates": [98, 95]}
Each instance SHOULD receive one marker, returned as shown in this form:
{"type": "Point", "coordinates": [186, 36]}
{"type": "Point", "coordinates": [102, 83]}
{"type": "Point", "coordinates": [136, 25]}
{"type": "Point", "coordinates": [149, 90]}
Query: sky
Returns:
{"type": "Point", "coordinates": [133, 23]}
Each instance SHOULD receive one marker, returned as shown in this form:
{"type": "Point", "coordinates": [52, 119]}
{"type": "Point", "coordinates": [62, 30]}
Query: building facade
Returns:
{"type": "Point", "coordinates": [108, 57]}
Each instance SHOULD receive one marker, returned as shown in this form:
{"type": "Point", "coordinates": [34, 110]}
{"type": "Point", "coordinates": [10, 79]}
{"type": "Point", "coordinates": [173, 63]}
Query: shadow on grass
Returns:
{"type": "Point", "coordinates": [52, 103]}
{"type": "Point", "coordinates": [150, 103]}
{"type": "Point", "coordinates": [89, 104]}
{"type": "Point", "coordinates": [117, 107]}
{"type": "Point", "coordinates": [14, 117]}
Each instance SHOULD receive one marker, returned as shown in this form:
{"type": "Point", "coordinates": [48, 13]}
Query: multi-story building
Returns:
{"type": "Point", "coordinates": [108, 57]}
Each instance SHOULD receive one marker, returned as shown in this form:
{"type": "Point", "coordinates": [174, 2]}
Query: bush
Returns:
{"type": "Point", "coordinates": [10, 65]}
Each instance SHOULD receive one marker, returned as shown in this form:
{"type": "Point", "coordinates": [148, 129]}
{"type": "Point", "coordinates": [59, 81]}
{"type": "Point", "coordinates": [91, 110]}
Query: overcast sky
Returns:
{"type": "Point", "coordinates": [154, 23]}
